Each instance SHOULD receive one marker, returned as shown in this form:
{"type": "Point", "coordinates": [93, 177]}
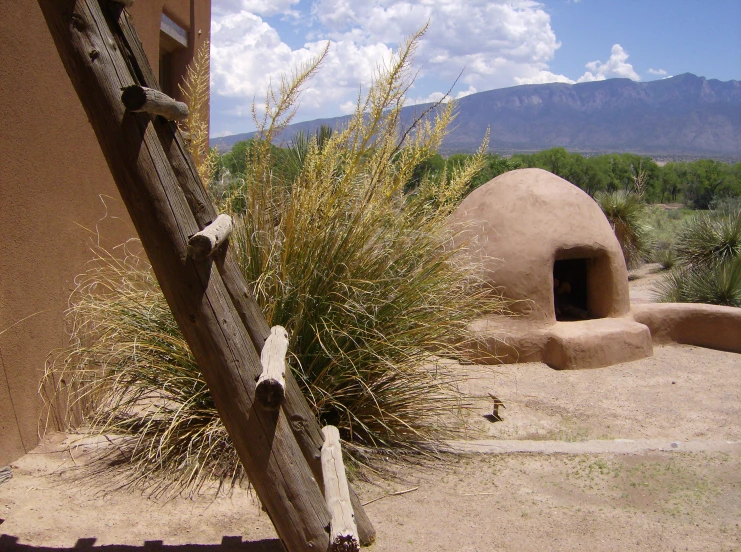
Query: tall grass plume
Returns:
{"type": "Point", "coordinates": [365, 278]}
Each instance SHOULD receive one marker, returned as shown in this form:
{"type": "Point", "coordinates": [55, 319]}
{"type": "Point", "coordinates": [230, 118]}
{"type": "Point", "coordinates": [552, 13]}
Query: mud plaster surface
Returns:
{"type": "Point", "coordinates": [470, 503]}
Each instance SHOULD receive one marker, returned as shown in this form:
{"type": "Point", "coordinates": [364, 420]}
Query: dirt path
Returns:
{"type": "Point", "coordinates": [640, 499]}
{"type": "Point", "coordinates": [639, 456]}
{"type": "Point", "coordinates": [643, 282]}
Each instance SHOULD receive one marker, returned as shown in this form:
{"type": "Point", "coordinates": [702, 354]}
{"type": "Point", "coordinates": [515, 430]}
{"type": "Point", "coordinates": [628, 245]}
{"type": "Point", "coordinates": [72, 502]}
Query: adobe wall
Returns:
{"type": "Point", "coordinates": [55, 191]}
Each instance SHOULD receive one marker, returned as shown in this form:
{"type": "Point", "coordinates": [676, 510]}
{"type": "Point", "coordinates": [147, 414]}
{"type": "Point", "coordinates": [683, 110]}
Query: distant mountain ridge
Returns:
{"type": "Point", "coordinates": [684, 115]}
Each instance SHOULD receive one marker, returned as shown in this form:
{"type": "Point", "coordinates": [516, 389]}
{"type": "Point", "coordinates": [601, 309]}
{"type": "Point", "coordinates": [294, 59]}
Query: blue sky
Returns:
{"type": "Point", "coordinates": [495, 43]}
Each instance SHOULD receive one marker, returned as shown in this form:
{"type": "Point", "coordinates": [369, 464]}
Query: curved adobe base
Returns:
{"type": "Point", "coordinates": [606, 341]}
{"type": "Point", "coordinates": [563, 345]}
{"type": "Point", "coordinates": [708, 326]}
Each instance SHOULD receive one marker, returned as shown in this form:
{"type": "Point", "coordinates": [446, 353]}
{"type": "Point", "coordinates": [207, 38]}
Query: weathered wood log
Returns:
{"type": "Point", "coordinates": [195, 292]}
{"type": "Point", "coordinates": [271, 385]}
{"type": "Point", "coordinates": [342, 529]}
{"type": "Point", "coordinates": [203, 244]}
{"type": "Point", "coordinates": [304, 424]}
{"type": "Point", "coordinates": [127, 3]}
{"type": "Point", "coordinates": [141, 99]}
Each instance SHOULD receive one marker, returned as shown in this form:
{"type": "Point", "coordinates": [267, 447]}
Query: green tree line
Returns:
{"type": "Point", "coordinates": [700, 184]}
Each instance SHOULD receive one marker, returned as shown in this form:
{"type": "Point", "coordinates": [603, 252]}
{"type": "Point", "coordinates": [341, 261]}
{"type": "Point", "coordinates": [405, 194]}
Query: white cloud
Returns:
{"type": "Point", "coordinates": [616, 66]}
{"type": "Point", "coordinates": [492, 41]}
{"type": "Point", "coordinates": [247, 55]}
{"type": "Point", "coordinates": [434, 97]}
{"type": "Point", "coordinates": [464, 93]}
{"type": "Point", "coordinates": [495, 43]}
{"type": "Point", "coordinates": [543, 77]}
{"type": "Point", "coordinates": [265, 8]}
{"type": "Point", "coordinates": [660, 72]}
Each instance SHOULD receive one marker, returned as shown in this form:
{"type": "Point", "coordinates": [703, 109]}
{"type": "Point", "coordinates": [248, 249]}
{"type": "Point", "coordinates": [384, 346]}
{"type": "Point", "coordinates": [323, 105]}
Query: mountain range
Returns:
{"type": "Point", "coordinates": [684, 115]}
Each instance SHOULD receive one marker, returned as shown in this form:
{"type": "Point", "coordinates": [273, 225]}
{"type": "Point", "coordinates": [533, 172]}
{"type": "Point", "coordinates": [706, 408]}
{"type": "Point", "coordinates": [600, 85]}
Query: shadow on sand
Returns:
{"type": "Point", "coordinates": [9, 543]}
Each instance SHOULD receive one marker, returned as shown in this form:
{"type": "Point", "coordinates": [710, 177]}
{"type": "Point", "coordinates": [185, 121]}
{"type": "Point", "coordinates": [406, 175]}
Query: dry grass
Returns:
{"type": "Point", "coordinates": [366, 280]}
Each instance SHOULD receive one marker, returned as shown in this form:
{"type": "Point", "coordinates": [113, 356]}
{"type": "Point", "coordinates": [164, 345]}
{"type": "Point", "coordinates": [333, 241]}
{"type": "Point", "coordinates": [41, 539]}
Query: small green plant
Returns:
{"type": "Point", "coordinates": [666, 258]}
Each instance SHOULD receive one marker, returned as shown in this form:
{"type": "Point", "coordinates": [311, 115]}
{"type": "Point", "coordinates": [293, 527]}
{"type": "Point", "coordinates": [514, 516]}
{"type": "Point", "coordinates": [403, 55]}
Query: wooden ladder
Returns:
{"type": "Point", "coordinates": [278, 439]}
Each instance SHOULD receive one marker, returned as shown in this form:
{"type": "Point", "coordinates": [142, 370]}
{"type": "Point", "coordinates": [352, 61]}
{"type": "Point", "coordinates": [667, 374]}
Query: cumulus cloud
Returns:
{"type": "Point", "coordinates": [543, 77]}
{"type": "Point", "coordinates": [616, 66]}
{"type": "Point", "coordinates": [258, 7]}
{"type": "Point", "coordinates": [495, 43]}
{"type": "Point", "coordinates": [248, 55]}
{"type": "Point", "coordinates": [441, 97]}
{"type": "Point", "coordinates": [659, 72]}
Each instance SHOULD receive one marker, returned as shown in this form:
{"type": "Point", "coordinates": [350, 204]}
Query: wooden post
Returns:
{"type": "Point", "coordinates": [271, 385]}
{"type": "Point", "coordinates": [204, 243]}
{"type": "Point", "coordinates": [304, 425]}
{"type": "Point", "coordinates": [137, 157]}
{"type": "Point", "coordinates": [342, 529]}
{"type": "Point", "coordinates": [140, 99]}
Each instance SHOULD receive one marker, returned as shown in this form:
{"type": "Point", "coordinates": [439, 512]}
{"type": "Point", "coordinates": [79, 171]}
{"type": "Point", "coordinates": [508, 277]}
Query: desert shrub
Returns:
{"type": "Point", "coordinates": [626, 213]}
{"type": "Point", "coordinates": [719, 284]}
{"type": "Point", "coordinates": [365, 279]}
{"type": "Point", "coordinates": [710, 238]}
{"type": "Point", "coordinates": [709, 262]}
{"type": "Point", "coordinates": [666, 258]}
{"type": "Point", "coordinates": [726, 205]}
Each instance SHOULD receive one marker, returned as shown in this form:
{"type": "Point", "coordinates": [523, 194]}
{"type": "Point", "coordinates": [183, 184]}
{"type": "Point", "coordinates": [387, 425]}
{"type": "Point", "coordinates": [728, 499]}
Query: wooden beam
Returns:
{"type": "Point", "coordinates": [203, 244]}
{"type": "Point", "coordinates": [271, 385]}
{"type": "Point", "coordinates": [343, 533]}
{"type": "Point", "coordinates": [141, 99]}
{"type": "Point", "coordinates": [137, 156]}
{"type": "Point", "coordinates": [304, 424]}
{"type": "Point", "coordinates": [127, 3]}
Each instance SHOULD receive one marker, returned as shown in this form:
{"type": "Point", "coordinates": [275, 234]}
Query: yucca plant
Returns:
{"type": "Point", "coordinates": [719, 284]}
{"type": "Point", "coordinates": [366, 280]}
{"type": "Point", "coordinates": [709, 255]}
{"type": "Point", "coordinates": [709, 239]}
{"type": "Point", "coordinates": [626, 212]}
{"type": "Point", "coordinates": [666, 258]}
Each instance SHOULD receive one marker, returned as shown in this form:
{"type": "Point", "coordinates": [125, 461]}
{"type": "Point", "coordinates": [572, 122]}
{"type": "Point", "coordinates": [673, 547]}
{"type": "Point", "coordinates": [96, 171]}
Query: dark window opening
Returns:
{"type": "Point", "coordinates": [166, 73]}
{"type": "Point", "coordinates": [570, 291]}
{"type": "Point", "coordinates": [172, 56]}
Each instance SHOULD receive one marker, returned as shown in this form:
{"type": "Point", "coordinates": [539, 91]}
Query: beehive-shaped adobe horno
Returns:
{"type": "Point", "coordinates": [547, 247]}
{"type": "Point", "coordinates": [532, 227]}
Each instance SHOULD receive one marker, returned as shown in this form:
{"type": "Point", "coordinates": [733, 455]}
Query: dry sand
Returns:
{"type": "Point", "coordinates": [644, 455]}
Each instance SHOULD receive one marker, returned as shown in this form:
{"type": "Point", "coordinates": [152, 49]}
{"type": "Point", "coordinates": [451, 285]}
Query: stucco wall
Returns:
{"type": "Point", "coordinates": [55, 193]}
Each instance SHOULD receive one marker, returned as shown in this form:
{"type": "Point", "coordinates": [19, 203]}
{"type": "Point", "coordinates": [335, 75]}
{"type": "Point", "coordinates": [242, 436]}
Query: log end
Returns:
{"type": "Point", "coordinates": [270, 393]}
{"type": "Point", "coordinates": [199, 247]}
{"type": "Point", "coordinates": [134, 97]}
{"type": "Point", "coordinates": [345, 543]}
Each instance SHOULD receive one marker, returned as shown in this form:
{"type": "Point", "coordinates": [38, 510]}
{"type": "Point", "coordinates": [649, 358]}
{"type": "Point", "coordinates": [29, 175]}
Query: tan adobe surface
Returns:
{"type": "Point", "coordinates": [534, 231]}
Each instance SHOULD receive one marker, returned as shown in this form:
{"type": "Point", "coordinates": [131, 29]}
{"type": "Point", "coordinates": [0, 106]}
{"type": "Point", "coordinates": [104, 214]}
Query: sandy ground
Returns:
{"type": "Point", "coordinates": [639, 456]}
{"type": "Point", "coordinates": [643, 281]}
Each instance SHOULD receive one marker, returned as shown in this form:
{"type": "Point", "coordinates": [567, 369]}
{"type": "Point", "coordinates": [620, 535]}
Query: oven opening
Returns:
{"type": "Point", "coordinates": [570, 290]}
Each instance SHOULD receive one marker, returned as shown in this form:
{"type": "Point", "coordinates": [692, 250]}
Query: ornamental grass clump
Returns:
{"type": "Point", "coordinates": [129, 378]}
{"type": "Point", "coordinates": [366, 279]}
